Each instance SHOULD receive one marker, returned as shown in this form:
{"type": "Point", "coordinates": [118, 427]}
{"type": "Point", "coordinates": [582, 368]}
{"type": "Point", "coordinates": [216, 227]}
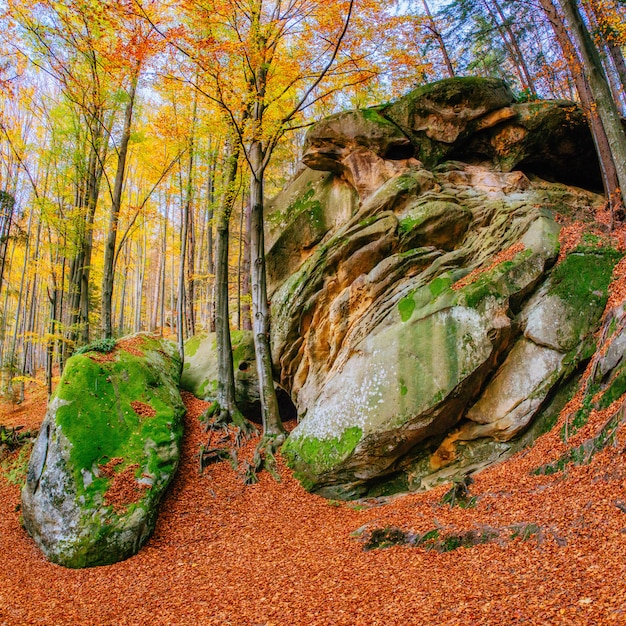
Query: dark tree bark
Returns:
{"type": "Point", "coordinates": [226, 378]}
{"type": "Point", "coordinates": [272, 424]}
{"type": "Point", "coordinates": [87, 201]}
{"type": "Point", "coordinates": [7, 205]}
{"type": "Point", "coordinates": [190, 228]}
{"type": "Point", "coordinates": [116, 204]}
{"type": "Point", "coordinates": [609, 173]}
{"type": "Point", "coordinates": [510, 42]}
{"type": "Point", "coordinates": [185, 318]}
{"type": "Point", "coordinates": [432, 26]}
{"type": "Point", "coordinates": [601, 93]}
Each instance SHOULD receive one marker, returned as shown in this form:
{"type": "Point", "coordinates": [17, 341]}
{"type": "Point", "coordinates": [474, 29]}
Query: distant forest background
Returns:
{"type": "Point", "coordinates": [128, 133]}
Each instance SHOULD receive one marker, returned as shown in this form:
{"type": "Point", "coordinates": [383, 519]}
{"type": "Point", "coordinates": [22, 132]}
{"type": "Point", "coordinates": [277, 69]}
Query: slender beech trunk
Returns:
{"type": "Point", "coordinates": [240, 262]}
{"type": "Point", "coordinates": [602, 98]}
{"type": "Point", "coordinates": [156, 291]}
{"type": "Point", "coordinates": [5, 308]}
{"type": "Point", "coordinates": [190, 230]}
{"type": "Point", "coordinates": [210, 267]}
{"type": "Point", "coordinates": [122, 299]}
{"type": "Point", "coordinates": [432, 26]}
{"type": "Point", "coordinates": [7, 205]}
{"type": "Point", "coordinates": [225, 374]}
{"type": "Point", "coordinates": [29, 322]}
{"type": "Point", "coordinates": [52, 328]}
{"type": "Point", "coordinates": [164, 256]}
{"type": "Point", "coordinates": [618, 61]}
{"type": "Point", "coordinates": [81, 262]}
{"type": "Point", "coordinates": [272, 424]}
{"type": "Point", "coordinates": [141, 276]}
{"type": "Point", "coordinates": [108, 275]}
{"type": "Point", "coordinates": [19, 314]}
{"type": "Point", "coordinates": [598, 17]}
{"type": "Point", "coordinates": [245, 270]}
{"type": "Point", "coordinates": [180, 308]}
{"type": "Point", "coordinates": [517, 51]}
{"type": "Point", "coordinates": [518, 60]}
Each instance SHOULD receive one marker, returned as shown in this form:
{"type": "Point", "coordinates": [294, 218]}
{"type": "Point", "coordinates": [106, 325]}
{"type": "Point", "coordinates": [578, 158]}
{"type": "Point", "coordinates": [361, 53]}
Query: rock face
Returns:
{"type": "Point", "coordinates": [422, 326]}
{"type": "Point", "coordinates": [107, 449]}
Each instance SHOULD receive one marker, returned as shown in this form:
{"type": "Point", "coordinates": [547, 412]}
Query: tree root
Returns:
{"type": "Point", "coordinates": [208, 456]}
{"type": "Point", "coordinates": [220, 419]}
{"type": "Point", "coordinates": [223, 417]}
{"type": "Point", "coordinates": [264, 458]}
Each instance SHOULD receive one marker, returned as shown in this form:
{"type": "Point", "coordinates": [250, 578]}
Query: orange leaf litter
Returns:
{"type": "Point", "coordinates": [506, 255]}
{"type": "Point", "coordinates": [223, 553]}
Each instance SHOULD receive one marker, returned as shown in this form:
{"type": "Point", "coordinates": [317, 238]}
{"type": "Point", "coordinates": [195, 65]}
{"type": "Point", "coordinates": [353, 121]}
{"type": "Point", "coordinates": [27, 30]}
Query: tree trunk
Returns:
{"type": "Point", "coordinates": [87, 200]}
{"type": "Point", "coordinates": [618, 61]}
{"type": "Point", "coordinates": [609, 173]}
{"type": "Point", "coordinates": [246, 318]}
{"type": "Point", "coordinates": [180, 305]}
{"type": "Point", "coordinates": [518, 54]}
{"type": "Point", "coordinates": [501, 28]}
{"type": "Point", "coordinates": [191, 242]}
{"type": "Point", "coordinates": [141, 275]}
{"type": "Point", "coordinates": [108, 275]}
{"type": "Point", "coordinates": [225, 374]}
{"type": "Point", "coordinates": [437, 35]}
{"type": "Point", "coordinates": [272, 424]}
{"type": "Point", "coordinates": [597, 15]}
{"type": "Point", "coordinates": [7, 204]}
{"type": "Point", "coordinates": [164, 256]}
{"type": "Point", "coordinates": [603, 100]}
{"type": "Point", "coordinates": [52, 295]}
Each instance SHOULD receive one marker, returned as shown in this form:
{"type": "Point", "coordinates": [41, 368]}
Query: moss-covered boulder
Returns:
{"type": "Point", "coordinates": [440, 116]}
{"type": "Point", "coordinates": [471, 119]}
{"type": "Point", "coordinates": [414, 374]}
{"type": "Point", "coordinates": [200, 371]}
{"type": "Point", "coordinates": [107, 449]}
{"type": "Point", "coordinates": [200, 374]}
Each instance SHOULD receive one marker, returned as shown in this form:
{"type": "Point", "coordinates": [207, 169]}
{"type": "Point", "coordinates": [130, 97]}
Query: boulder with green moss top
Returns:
{"type": "Point", "coordinates": [426, 332]}
{"type": "Point", "coordinates": [440, 116]}
{"type": "Point", "coordinates": [200, 371]}
{"type": "Point", "coordinates": [200, 374]}
{"type": "Point", "coordinates": [107, 449]}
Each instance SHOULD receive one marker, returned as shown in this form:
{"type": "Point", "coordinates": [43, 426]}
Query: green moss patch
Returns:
{"type": "Point", "coordinates": [309, 456]}
{"type": "Point", "coordinates": [406, 306]}
{"type": "Point", "coordinates": [99, 421]}
{"type": "Point", "coordinates": [582, 278]}
{"type": "Point", "coordinates": [192, 344]}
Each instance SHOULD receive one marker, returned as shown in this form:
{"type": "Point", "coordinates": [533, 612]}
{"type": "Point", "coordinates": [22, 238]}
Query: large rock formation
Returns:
{"type": "Point", "coordinates": [107, 449]}
{"type": "Point", "coordinates": [417, 321]}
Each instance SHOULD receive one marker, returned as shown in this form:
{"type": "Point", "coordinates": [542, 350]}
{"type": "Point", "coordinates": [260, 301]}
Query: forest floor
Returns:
{"type": "Point", "coordinates": [271, 553]}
